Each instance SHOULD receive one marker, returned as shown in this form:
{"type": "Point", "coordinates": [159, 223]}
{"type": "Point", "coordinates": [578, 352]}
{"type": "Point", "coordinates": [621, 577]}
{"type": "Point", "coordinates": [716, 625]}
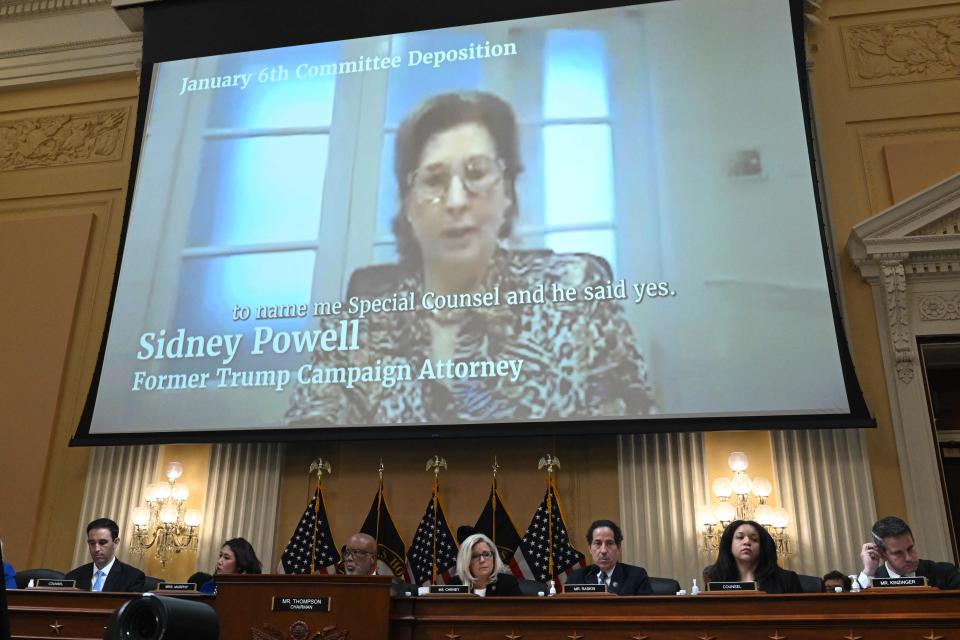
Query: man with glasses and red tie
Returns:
{"type": "Point", "coordinates": [106, 573]}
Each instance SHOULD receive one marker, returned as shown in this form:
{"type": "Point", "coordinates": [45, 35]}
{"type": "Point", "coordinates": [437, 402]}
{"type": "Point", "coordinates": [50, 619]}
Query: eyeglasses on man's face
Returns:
{"type": "Point", "coordinates": [478, 174]}
{"type": "Point", "coordinates": [483, 555]}
{"type": "Point", "coordinates": [357, 554]}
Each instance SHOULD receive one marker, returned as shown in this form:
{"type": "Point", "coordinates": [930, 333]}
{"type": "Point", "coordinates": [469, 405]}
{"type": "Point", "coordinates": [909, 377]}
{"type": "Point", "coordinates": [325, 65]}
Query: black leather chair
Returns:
{"type": "Point", "coordinates": [810, 584]}
{"type": "Point", "coordinates": [664, 586]}
{"type": "Point", "coordinates": [150, 583]}
{"type": "Point", "coordinates": [25, 576]}
{"type": "Point", "coordinates": [532, 587]}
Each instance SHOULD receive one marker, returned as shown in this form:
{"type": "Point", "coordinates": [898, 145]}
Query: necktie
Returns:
{"type": "Point", "coordinates": [98, 583]}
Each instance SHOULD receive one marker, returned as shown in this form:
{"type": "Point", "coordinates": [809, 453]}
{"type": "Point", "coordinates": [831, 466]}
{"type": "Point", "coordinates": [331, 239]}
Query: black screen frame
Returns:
{"type": "Point", "coordinates": [177, 29]}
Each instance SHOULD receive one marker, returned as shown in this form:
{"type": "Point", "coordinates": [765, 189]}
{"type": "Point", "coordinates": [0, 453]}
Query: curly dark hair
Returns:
{"type": "Point", "coordinates": [247, 561]}
{"type": "Point", "coordinates": [440, 113]}
{"type": "Point", "coordinates": [725, 568]}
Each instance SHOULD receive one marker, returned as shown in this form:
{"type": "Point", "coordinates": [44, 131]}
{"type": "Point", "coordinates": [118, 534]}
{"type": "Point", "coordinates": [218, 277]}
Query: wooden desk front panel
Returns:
{"type": "Point", "coordinates": [933, 615]}
{"type": "Point", "coordinates": [360, 606]}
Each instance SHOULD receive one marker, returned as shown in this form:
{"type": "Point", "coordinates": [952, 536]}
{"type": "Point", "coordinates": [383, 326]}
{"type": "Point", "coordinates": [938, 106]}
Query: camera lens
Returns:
{"type": "Point", "coordinates": [143, 624]}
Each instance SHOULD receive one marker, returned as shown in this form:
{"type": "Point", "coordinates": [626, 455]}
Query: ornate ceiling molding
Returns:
{"type": "Point", "coordinates": [13, 9]}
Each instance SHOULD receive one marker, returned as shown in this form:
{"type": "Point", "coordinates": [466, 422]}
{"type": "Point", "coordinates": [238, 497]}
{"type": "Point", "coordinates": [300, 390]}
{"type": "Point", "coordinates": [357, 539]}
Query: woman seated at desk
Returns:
{"type": "Point", "coordinates": [747, 553]}
{"type": "Point", "coordinates": [479, 566]}
{"type": "Point", "coordinates": [236, 556]}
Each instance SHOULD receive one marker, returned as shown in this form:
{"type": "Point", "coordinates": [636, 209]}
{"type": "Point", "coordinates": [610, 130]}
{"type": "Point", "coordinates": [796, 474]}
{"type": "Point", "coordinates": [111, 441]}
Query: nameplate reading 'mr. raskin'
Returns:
{"type": "Point", "coordinates": [916, 581]}
{"type": "Point", "coordinates": [447, 589]}
{"type": "Point", "coordinates": [50, 582]}
{"type": "Point", "coordinates": [725, 586]}
{"type": "Point", "coordinates": [284, 603]}
{"type": "Point", "coordinates": [585, 588]}
{"type": "Point", "coordinates": [176, 586]}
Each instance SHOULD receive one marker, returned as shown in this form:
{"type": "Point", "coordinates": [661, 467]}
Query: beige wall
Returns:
{"type": "Point", "coordinates": [880, 138]}
{"type": "Point", "coordinates": [63, 177]}
{"type": "Point", "coordinates": [872, 108]}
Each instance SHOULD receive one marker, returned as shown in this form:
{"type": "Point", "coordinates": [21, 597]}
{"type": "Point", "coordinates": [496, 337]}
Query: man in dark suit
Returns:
{"type": "Point", "coordinates": [106, 573]}
{"type": "Point", "coordinates": [893, 544]}
{"type": "Point", "coordinates": [604, 538]}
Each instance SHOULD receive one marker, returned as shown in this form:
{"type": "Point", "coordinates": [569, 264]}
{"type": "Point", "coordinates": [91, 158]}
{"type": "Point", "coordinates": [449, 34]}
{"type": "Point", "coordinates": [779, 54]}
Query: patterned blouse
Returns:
{"type": "Point", "coordinates": [579, 358]}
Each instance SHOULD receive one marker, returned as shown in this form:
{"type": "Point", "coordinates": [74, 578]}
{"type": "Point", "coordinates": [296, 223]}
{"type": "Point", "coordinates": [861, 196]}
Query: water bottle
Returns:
{"type": "Point", "coordinates": [694, 590]}
{"type": "Point", "coordinates": [553, 588]}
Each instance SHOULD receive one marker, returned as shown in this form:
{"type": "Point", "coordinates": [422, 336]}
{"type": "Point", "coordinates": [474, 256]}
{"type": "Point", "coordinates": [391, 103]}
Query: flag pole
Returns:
{"type": "Point", "coordinates": [435, 463]}
{"type": "Point", "coordinates": [549, 461]}
{"type": "Point", "coordinates": [493, 503]}
{"type": "Point", "coordinates": [319, 465]}
{"type": "Point", "coordinates": [379, 503]}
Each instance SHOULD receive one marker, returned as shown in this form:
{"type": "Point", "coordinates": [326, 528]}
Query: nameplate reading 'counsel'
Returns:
{"type": "Point", "coordinates": [447, 589]}
{"type": "Point", "coordinates": [724, 586]}
{"type": "Point", "coordinates": [584, 588]}
{"type": "Point", "coordinates": [176, 586]}
{"type": "Point", "coordinates": [50, 582]}
{"type": "Point", "coordinates": [916, 581]}
{"type": "Point", "coordinates": [282, 603]}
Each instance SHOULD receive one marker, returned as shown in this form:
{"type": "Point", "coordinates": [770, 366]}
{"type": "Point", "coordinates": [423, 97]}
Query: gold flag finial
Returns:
{"type": "Point", "coordinates": [320, 465]}
{"type": "Point", "coordinates": [380, 469]}
{"type": "Point", "coordinates": [495, 467]}
{"type": "Point", "coordinates": [436, 463]}
{"type": "Point", "coordinates": [548, 461]}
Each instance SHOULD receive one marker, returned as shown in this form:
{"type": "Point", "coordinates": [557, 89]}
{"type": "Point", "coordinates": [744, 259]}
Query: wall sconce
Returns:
{"type": "Point", "coordinates": [164, 525]}
{"type": "Point", "coordinates": [742, 498]}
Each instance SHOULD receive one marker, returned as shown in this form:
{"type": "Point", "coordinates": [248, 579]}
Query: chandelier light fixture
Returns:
{"type": "Point", "coordinates": [742, 498]}
{"type": "Point", "coordinates": [164, 525]}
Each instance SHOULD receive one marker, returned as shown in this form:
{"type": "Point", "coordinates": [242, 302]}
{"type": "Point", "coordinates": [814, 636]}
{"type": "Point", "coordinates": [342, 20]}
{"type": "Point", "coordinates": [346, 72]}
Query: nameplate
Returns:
{"type": "Point", "coordinates": [176, 586]}
{"type": "Point", "coordinates": [283, 603]}
{"type": "Point", "coordinates": [916, 581]}
{"type": "Point", "coordinates": [49, 582]}
{"type": "Point", "coordinates": [447, 589]}
{"type": "Point", "coordinates": [584, 588]}
{"type": "Point", "coordinates": [724, 586]}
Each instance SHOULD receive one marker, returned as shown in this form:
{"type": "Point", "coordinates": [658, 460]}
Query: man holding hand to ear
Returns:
{"type": "Point", "coordinates": [892, 554]}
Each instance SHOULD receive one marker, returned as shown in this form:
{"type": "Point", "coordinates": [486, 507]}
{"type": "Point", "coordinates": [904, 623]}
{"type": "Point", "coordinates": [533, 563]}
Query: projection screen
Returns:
{"type": "Point", "coordinates": [596, 221]}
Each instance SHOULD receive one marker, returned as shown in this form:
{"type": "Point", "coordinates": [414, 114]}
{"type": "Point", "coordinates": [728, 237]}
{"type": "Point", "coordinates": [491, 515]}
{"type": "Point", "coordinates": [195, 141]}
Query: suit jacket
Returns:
{"type": "Point", "coordinates": [506, 585]}
{"type": "Point", "coordinates": [941, 575]}
{"type": "Point", "coordinates": [780, 581]}
{"type": "Point", "coordinates": [626, 580]}
{"type": "Point", "coordinates": [122, 578]}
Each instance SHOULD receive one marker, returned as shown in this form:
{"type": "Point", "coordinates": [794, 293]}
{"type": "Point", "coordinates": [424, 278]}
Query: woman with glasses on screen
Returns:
{"type": "Point", "coordinates": [479, 566]}
{"type": "Point", "coordinates": [465, 353]}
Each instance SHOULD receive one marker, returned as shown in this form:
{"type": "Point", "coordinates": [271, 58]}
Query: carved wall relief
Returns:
{"type": "Point", "coordinates": [57, 140]}
{"type": "Point", "coordinates": [939, 306]}
{"type": "Point", "coordinates": [895, 52]}
{"type": "Point", "coordinates": [895, 288]}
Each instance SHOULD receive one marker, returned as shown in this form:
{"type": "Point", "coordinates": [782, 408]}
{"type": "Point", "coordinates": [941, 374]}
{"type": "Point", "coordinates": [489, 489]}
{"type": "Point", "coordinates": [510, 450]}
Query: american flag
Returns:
{"type": "Point", "coordinates": [546, 545]}
{"type": "Point", "coordinates": [311, 548]}
{"type": "Point", "coordinates": [433, 547]}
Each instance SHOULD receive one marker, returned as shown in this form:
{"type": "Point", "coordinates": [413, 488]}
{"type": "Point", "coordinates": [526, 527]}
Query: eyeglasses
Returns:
{"type": "Point", "coordinates": [358, 554]}
{"type": "Point", "coordinates": [478, 174]}
{"type": "Point", "coordinates": [484, 555]}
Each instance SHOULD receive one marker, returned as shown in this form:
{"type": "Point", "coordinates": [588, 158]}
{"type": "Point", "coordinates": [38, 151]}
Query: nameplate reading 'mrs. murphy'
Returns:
{"type": "Point", "coordinates": [50, 582]}
{"type": "Point", "coordinates": [176, 586]}
{"type": "Point", "coordinates": [284, 603]}
{"type": "Point", "coordinates": [447, 589]}
{"type": "Point", "coordinates": [725, 586]}
{"type": "Point", "coordinates": [916, 581]}
{"type": "Point", "coordinates": [585, 588]}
